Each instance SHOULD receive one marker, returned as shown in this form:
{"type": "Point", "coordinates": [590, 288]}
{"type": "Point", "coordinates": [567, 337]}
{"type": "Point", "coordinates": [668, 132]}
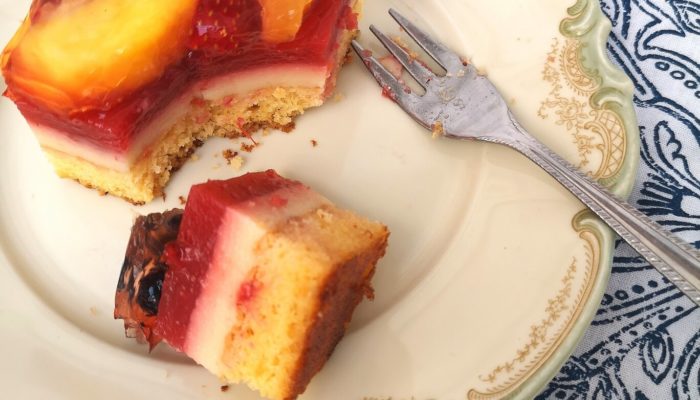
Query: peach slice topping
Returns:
{"type": "Point", "coordinates": [281, 19]}
{"type": "Point", "coordinates": [80, 54]}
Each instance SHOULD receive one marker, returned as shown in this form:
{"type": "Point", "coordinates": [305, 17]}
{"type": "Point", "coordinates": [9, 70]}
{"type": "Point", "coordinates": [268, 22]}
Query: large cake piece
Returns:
{"type": "Point", "coordinates": [260, 283]}
{"type": "Point", "coordinates": [119, 92]}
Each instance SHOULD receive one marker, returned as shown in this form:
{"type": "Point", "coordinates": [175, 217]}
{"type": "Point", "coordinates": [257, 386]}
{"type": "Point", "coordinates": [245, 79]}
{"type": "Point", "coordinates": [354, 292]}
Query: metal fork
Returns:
{"type": "Point", "coordinates": [464, 105]}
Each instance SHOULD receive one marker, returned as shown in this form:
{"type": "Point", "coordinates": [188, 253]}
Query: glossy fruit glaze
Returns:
{"type": "Point", "coordinates": [190, 256]}
{"type": "Point", "coordinates": [225, 38]}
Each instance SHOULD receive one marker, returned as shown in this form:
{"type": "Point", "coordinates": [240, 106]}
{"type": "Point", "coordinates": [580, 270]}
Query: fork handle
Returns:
{"type": "Point", "coordinates": [676, 260]}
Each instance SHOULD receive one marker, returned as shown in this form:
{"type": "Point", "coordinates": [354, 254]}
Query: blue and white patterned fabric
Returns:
{"type": "Point", "coordinates": [644, 342]}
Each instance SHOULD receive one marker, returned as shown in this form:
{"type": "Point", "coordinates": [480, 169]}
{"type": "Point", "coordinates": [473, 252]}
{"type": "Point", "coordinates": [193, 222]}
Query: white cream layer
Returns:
{"type": "Point", "coordinates": [216, 312]}
{"type": "Point", "coordinates": [235, 85]}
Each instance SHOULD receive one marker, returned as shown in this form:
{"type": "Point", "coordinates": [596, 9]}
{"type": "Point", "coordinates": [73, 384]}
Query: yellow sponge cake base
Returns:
{"type": "Point", "coordinates": [266, 108]}
{"type": "Point", "coordinates": [313, 271]}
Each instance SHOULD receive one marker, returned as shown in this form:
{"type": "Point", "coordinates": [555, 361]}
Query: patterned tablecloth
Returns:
{"type": "Point", "coordinates": [644, 342]}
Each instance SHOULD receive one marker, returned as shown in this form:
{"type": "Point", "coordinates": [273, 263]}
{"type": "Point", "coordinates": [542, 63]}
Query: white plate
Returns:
{"type": "Point", "coordinates": [492, 273]}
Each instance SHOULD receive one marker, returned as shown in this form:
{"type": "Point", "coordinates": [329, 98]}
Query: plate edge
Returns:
{"type": "Point", "coordinates": [587, 24]}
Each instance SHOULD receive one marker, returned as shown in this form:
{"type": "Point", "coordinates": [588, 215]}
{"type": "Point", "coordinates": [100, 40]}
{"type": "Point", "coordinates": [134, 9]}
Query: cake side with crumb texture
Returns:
{"type": "Point", "coordinates": [312, 274]}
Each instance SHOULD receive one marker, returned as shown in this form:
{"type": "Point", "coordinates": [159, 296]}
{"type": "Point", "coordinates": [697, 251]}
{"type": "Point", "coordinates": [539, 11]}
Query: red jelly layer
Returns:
{"type": "Point", "coordinates": [189, 257]}
{"type": "Point", "coordinates": [225, 39]}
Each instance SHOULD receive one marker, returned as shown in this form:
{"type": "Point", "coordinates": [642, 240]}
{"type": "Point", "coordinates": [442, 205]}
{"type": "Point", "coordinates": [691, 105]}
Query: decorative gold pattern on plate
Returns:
{"type": "Point", "coordinates": [592, 100]}
{"type": "Point", "coordinates": [539, 334]}
{"type": "Point", "coordinates": [594, 129]}
{"type": "Point", "coordinates": [545, 336]}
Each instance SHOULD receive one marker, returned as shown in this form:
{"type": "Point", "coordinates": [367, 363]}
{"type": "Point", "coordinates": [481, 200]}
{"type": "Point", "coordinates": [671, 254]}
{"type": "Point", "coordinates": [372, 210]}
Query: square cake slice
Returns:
{"type": "Point", "coordinates": [120, 92]}
{"type": "Point", "coordinates": [262, 280]}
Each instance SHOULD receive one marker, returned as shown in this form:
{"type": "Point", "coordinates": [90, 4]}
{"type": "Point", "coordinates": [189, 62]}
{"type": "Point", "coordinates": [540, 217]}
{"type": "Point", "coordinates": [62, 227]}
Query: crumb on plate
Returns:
{"type": "Point", "coordinates": [438, 130]}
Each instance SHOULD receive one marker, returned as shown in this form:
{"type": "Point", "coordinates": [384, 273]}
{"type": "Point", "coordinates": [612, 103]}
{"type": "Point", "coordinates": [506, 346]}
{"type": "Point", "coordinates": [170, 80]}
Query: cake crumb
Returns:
{"type": "Point", "coordinates": [194, 157]}
{"type": "Point", "coordinates": [482, 72]}
{"type": "Point", "coordinates": [288, 128]}
{"type": "Point", "coordinates": [348, 58]}
{"type": "Point", "coordinates": [392, 65]}
{"type": "Point", "coordinates": [93, 311]}
{"type": "Point", "coordinates": [324, 215]}
{"type": "Point", "coordinates": [229, 154]}
{"type": "Point", "coordinates": [266, 131]}
{"type": "Point", "coordinates": [247, 147]}
{"type": "Point", "coordinates": [402, 43]}
{"type": "Point", "coordinates": [314, 143]}
{"type": "Point", "coordinates": [338, 97]}
{"type": "Point", "coordinates": [224, 388]}
{"type": "Point", "coordinates": [183, 200]}
{"type": "Point", "coordinates": [438, 130]}
{"type": "Point", "coordinates": [236, 163]}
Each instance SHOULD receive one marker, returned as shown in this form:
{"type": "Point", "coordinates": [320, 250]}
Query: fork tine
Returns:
{"type": "Point", "coordinates": [420, 72]}
{"type": "Point", "coordinates": [438, 51]}
{"type": "Point", "coordinates": [396, 90]}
